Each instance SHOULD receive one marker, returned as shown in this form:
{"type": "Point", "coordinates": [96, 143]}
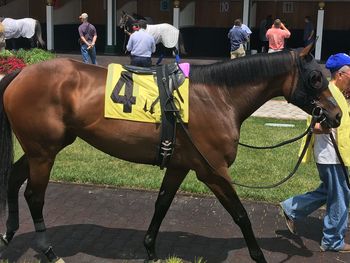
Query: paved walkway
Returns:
{"type": "Point", "coordinates": [101, 225]}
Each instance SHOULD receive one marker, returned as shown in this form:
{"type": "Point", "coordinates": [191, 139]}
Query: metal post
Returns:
{"type": "Point", "coordinates": [49, 27]}
{"type": "Point", "coordinates": [111, 27]}
{"type": "Point", "coordinates": [176, 14]}
{"type": "Point", "coordinates": [246, 10]}
{"type": "Point", "coordinates": [176, 17]}
{"type": "Point", "coordinates": [319, 31]}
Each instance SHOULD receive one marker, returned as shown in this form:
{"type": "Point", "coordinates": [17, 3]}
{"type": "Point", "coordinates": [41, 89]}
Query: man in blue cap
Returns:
{"type": "Point", "coordinates": [333, 190]}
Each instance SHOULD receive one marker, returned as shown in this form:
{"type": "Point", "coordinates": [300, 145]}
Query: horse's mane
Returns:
{"type": "Point", "coordinates": [243, 70]}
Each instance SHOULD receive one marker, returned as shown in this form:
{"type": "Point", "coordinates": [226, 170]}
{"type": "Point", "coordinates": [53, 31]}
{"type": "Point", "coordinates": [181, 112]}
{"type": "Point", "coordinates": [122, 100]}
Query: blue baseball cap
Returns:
{"type": "Point", "coordinates": [335, 62]}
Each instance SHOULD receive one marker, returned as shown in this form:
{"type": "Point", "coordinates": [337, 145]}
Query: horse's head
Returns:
{"type": "Point", "coordinates": [311, 92]}
{"type": "Point", "coordinates": [126, 21]}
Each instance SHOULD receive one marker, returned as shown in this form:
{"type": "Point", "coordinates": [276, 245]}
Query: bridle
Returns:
{"type": "Point", "coordinates": [123, 22]}
{"type": "Point", "coordinates": [307, 77]}
{"type": "Point", "coordinates": [312, 79]}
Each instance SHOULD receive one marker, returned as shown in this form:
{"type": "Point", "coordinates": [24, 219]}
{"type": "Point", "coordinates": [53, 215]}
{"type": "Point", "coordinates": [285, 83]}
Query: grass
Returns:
{"type": "Point", "coordinates": [81, 163]}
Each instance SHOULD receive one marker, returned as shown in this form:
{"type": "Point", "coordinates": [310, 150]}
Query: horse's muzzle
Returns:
{"type": "Point", "coordinates": [325, 119]}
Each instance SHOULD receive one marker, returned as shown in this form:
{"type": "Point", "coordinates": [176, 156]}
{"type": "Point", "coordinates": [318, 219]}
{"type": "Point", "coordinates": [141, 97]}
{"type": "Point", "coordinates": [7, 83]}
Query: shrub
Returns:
{"type": "Point", "coordinates": [10, 61]}
{"type": "Point", "coordinates": [34, 55]}
{"type": "Point", "coordinates": [6, 53]}
{"type": "Point", "coordinates": [10, 64]}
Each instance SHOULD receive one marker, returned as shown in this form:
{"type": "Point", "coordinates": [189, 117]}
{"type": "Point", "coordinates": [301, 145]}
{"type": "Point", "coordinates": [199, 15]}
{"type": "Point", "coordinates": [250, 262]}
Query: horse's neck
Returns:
{"type": "Point", "coordinates": [247, 99]}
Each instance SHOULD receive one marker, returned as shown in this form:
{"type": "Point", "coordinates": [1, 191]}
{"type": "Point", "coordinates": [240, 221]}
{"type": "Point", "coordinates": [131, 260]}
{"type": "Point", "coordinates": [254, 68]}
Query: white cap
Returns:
{"type": "Point", "coordinates": [83, 16]}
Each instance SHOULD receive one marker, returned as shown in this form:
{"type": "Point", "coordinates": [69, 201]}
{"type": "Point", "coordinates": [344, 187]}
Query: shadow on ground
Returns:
{"type": "Point", "coordinates": [126, 244]}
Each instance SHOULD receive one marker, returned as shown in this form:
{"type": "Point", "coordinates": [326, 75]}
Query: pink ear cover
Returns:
{"type": "Point", "coordinates": [185, 68]}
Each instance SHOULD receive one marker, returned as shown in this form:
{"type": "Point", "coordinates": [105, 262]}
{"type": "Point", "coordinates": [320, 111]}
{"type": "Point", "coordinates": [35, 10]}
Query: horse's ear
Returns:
{"type": "Point", "coordinates": [123, 12]}
{"type": "Point", "coordinates": [307, 50]}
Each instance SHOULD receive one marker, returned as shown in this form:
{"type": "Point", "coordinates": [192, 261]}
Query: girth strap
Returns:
{"type": "Point", "coordinates": [168, 118]}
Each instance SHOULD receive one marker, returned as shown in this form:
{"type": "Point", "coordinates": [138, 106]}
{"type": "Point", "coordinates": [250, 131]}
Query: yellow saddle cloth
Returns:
{"type": "Point", "coordinates": [131, 96]}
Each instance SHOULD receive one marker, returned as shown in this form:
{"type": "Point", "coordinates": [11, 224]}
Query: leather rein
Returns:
{"type": "Point", "coordinates": [316, 115]}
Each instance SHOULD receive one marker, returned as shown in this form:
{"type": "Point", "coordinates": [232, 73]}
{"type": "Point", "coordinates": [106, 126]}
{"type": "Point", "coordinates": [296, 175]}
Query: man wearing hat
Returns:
{"type": "Point", "coordinates": [88, 36]}
{"type": "Point", "coordinates": [333, 190]}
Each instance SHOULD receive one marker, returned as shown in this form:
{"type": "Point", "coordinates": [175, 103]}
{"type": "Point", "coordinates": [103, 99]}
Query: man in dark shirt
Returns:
{"type": "Point", "coordinates": [237, 38]}
{"type": "Point", "coordinates": [88, 36]}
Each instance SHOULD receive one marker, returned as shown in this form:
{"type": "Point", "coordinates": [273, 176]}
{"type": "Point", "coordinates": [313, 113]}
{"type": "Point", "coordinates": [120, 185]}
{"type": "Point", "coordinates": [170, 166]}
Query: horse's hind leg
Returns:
{"type": "Point", "coordinates": [223, 190]}
{"type": "Point", "coordinates": [19, 173]}
{"type": "Point", "coordinates": [40, 168]}
{"type": "Point", "coordinates": [171, 183]}
{"type": "Point", "coordinates": [176, 54]}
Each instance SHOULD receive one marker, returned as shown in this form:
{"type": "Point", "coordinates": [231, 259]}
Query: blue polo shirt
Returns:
{"type": "Point", "coordinates": [141, 44]}
{"type": "Point", "coordinates": [237, 37]}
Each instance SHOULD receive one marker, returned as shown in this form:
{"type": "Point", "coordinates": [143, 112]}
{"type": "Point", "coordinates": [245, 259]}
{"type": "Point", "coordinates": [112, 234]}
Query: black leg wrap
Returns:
{"type": "Point", "coordinates": [3, 240]}
{"type": "Point", "coordinates": [51, 256]}
{"type": "Point", "coordinates": [7, 237]}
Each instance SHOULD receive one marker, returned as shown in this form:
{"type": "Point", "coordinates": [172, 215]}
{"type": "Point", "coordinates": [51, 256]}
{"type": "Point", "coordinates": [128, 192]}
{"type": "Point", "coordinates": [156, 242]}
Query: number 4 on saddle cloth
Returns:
{"type": "Point", "coordinates": [132, 93]}
{"type": "Point", "coordinates": [153, 95]}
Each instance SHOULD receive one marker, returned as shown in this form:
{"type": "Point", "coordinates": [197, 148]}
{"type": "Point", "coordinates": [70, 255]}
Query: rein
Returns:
{"type": "Point", "coordinates": [276, 145]}
{"type": "Point", "coordinates": [345, 170]}
{"type": "Point", "coordinates": [308, 132]}
{"type": "Point", "coordinates": [308, 139]}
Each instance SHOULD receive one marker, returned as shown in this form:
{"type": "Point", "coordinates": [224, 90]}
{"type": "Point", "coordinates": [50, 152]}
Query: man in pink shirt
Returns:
{"type": "Point", "coordinates": [276, 35]}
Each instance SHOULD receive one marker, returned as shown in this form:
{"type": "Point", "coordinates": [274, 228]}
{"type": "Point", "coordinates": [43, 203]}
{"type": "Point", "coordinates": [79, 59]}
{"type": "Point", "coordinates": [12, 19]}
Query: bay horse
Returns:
{"type": "Point", "coordinates": [28, 28]}
{"type": "Point", "coordinates": [169, 36]}
{"type": "Point", "coordinates": [49, 104]}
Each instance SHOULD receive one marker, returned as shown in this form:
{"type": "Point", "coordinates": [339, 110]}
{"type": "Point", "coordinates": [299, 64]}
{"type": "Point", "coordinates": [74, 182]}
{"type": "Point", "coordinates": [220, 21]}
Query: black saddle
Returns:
{"type": "Point", "coordinates": [169, 78]}
{"type": "Point", "coordinates": [172, 68]}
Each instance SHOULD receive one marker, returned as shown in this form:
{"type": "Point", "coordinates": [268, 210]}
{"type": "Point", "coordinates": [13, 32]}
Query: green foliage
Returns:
{"type": "Point", "coordinates": [4, 53]}
{"type": "Point", "coordinates": [174, 259]}
{"type": "Point", "coordinates": [81, 163]}
{"type": "Point", "coordinates": [34, 55]}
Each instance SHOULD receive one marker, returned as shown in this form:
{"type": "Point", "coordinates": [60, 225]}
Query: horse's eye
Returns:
{"type": "Point", "coordinates": [315, 79]}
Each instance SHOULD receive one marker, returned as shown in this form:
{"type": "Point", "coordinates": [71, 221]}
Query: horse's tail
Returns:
{"type": "Point", "coordinates": [6, 144]}
{"type": "Point", "coordinates": [181, 45]}
{"type": "Point", "coordinates": [38, 35]}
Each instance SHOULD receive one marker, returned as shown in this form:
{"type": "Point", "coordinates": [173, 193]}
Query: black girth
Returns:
{"type": "Point", "coordinates": [169, 79]}
{"type": "Point", "coordinates": [167, 83]}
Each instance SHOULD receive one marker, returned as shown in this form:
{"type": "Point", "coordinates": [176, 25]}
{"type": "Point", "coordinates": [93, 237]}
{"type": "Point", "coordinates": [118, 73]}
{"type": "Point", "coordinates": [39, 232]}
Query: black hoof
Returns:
{"type": "Point", "coordinates": [3, 243]}
{"type": "Point", "coordinates": [51, 256]}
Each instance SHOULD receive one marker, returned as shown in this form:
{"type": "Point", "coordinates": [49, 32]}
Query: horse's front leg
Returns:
{"type": "Point", "coordinates": [35, 193]}
{"type": "Point", "coordinates": [171, 183]}
{"type": "Point", "coordinates": [19, 173]}
{"type": "Point", "coordinates": [220, 185]}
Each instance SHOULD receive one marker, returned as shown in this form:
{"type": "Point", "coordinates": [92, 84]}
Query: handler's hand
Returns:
{"type": "Point", "coordinates": [318, 129]}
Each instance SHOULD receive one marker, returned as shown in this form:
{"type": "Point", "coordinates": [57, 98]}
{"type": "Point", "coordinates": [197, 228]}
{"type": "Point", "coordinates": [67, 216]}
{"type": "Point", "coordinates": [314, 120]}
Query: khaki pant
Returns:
{"type": "Point", "coordinates": [239, 52]}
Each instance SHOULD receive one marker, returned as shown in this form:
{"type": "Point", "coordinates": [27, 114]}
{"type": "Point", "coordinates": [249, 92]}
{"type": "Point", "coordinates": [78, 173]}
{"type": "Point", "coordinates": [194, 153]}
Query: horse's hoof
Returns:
{"type": "Point", "coordinates": [3, 244]}
{"type": "Point", "coordinates": [60, 260]}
